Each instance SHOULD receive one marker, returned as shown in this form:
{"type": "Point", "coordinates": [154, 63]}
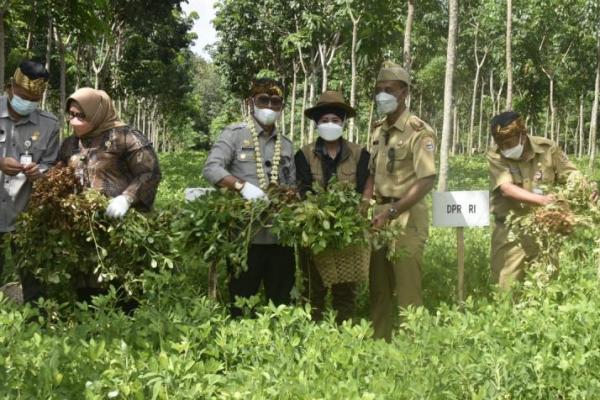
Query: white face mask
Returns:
{"type": "Point", "coordinates": [514, 153]}
{"type": "Point", "coordinates": [386, 103]}
{"type": "Point", "coordinates": [266, 116]}
{"type": "Point", "coordinates": [330, 131]}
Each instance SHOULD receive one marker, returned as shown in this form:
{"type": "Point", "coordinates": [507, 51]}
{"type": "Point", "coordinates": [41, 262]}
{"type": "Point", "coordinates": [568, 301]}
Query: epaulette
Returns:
{"type": "Point", "coordinates": [286, 139]}
{"type": "Point", "coordinates": [48, 115]}
{"type": "Point", "coordinates": [416, 123]}
{"type": "Point", "coordinates": [236, 125]}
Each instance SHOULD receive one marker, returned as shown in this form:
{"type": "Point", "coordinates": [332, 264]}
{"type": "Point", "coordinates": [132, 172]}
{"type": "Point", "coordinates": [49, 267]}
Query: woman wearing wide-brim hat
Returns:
{"type": "Point", "coordinates": [330, 155]}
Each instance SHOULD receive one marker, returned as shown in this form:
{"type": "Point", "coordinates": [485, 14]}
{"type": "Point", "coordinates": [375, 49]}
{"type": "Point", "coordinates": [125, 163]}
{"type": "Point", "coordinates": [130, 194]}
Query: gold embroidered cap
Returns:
{"type": "Point", "coordinates": [514, 128]}
{"type": "Point", "coordinates": [32, 77]}
{"type": "Point", "coordinates": [268, 86]}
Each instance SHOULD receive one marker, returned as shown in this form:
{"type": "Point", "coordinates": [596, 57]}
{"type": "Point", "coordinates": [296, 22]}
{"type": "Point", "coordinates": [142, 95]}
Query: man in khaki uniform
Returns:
{"type": "Point", "coordinates": [520, 166]}
{"type": "Point", "coordinates": [403, 171]}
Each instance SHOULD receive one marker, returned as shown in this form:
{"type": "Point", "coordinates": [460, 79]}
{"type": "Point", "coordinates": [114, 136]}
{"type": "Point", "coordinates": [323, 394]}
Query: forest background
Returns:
{"type": "Point", "coordinates": [541, 58]}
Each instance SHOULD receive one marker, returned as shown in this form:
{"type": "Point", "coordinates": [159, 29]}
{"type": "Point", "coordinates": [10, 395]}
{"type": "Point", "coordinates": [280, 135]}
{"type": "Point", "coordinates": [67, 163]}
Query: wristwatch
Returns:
{"type": "Point", "coordinates": [238, 185]}
{"type": "Point", "coordinates": [392, 212]}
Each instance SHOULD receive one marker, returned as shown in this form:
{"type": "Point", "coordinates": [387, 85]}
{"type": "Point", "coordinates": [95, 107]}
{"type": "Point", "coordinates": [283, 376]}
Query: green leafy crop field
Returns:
{"type": "Point", "coordinates": [542, 344]}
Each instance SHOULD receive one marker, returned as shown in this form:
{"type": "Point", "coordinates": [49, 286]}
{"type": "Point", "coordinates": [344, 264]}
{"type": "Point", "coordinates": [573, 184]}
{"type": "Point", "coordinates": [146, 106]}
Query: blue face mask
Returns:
{"type": "Point", "coordinates": [23, 107]}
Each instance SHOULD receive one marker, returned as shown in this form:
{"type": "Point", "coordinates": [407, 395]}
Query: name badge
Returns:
{"type": "Point", "coordinates": [25, 159]}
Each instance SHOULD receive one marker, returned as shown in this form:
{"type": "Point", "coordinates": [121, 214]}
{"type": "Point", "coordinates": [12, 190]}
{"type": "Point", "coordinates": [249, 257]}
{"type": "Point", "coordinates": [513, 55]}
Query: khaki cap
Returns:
{"type": "Point", "coordinates": [328, 100]}
{"type": "Point", "coordinates": [393, 72]}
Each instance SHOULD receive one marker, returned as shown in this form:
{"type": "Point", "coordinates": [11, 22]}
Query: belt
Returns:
{"type": "Point", "coordinates": [385, 199]}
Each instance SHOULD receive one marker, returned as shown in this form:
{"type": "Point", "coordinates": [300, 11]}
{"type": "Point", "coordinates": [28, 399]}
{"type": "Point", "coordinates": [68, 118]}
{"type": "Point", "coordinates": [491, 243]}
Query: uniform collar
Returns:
{"type": "Point", "coordinates": [261, 131]}
{"type": "Point", "coordinates": [34, 117]}
{"type": "Point", "coordinates": [400, 123]}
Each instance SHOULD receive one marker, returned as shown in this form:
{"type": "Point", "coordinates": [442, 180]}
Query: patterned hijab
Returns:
{"type": "Point", "coordinates": [98, 109]}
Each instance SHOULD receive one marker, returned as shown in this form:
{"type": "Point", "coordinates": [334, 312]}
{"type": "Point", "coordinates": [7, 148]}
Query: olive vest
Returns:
{"type": "Point", "coordinates": [346, 168]}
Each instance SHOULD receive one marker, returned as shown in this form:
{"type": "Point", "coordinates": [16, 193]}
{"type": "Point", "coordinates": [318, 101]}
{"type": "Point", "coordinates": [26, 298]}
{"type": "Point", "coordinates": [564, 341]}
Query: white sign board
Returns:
{"type": "Point", "coordinates": [192, 194]}
{"type": "Point", "coordinates": [461, 209]}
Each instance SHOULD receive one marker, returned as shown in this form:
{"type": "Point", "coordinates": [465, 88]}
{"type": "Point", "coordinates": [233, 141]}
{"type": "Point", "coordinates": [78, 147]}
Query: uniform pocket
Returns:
{"type": "Point", "coordinates": [37, 151]}
{"type": "Point", "coordinates": [397, 158]}
{"type": "Point", "coordinates": [246, 155]}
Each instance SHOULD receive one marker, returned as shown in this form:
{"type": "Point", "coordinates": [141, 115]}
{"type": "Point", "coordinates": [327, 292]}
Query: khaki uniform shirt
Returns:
{"type": "Point", "coordinates": [118, 161]}
{"type": "Point", "coordinates": [402, 154]}
{"type": "Point", "coordinates": [37, 135]}
{"type": "Point", "coordinates": [233, 154]}
{"type": "Point", "coordinates": [546, 165]}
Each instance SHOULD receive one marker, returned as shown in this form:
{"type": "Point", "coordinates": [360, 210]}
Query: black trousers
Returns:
{"type": "Point", "coordinates": [270, 264]}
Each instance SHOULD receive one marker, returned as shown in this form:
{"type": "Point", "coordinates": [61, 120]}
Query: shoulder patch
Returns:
{"type": "Point", "coordinates": [428, 144]}
{"type": "Point", "coordinates": [416, 123]}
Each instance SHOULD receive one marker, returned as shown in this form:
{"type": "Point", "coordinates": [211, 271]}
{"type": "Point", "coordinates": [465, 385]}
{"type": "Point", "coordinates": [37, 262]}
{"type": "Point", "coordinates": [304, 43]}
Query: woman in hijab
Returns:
{"type": "Point", "coordinates": [108, 155]}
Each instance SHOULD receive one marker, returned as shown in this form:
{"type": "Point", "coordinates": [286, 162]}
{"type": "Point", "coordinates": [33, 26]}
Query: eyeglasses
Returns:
{"type": "Point", "coordinates": [391, 157]}
{"type": "Point", "coordinates": [264, 101]}
{"type": "Point", "coordinates": [79, 115]}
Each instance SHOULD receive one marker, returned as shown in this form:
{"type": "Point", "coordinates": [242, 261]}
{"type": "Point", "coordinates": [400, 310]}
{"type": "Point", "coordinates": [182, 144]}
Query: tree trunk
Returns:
{"type": "Point", "coordinates": [447, 123]}
{"type": "Point", "coordinates": [63, 76]}
{"type": "Point", "coordinates": [594, 117]}
{"type": "Point", "coordinates": [293, 105]}
{"type": "Point", "coordinates": [410, 14]}
{"type": "Point", "coordinates": [304, 100]}
{"type": "Point", "coordinates": [546, 123]}
{"type": "Point", "coordinates": [581, 126]}
{"type": "Point", "coordinates": [2, 45]}
{"type": "Point", "coordinates": [478, 65]}
{"type": "Point", "coordinates": [480, 118]}
{"type": "Point", "coordinates": [355, 21]}
{"type": "Point", "coordinates": [369, 143]}
{"type": "Point", "coordinates": [48, 56]}
{"type": "Point", "coordinates": [492, 94]}
{"type": "Point", "coordinates": [311, 96]}
{"type": "Point", "coordinates": [552, 109]}
{"type": "Point", "coordinates": [455, 139]}
{"type": "Point", "coordinates": [509, 77]}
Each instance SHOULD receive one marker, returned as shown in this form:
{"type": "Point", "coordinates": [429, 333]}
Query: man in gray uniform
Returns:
{"type": "Point", "coordinates": [29, 141]}
{"type": "Point", "coordinates": [249, 157]}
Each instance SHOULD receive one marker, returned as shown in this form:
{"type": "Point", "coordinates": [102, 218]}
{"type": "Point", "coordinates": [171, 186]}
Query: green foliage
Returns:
{"type": "Point", "coordinates": [178, 345]}
{"type": "Point", "coordinates": [218, 227]}
{"type": "Point", "coordinates": [326, 218]}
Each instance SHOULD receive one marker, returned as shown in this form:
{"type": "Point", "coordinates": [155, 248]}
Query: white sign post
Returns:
{"type": "Point", "coordinates": [460, 210]}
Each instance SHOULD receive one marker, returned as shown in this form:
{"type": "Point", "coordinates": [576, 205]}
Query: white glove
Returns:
{"type": "Point", "coordinates": [251, 192]}
{"type": "Point", "coordinates": [118, 206]}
